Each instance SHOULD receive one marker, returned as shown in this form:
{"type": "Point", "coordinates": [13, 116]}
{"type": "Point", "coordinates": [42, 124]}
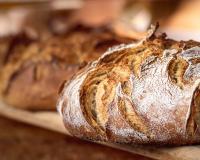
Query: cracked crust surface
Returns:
{"type": "Point", "coordinates": [144, 93]}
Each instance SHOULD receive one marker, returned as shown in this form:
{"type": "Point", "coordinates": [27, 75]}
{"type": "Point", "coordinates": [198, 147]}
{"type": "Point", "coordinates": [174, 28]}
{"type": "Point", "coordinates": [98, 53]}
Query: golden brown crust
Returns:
{"type": "Point", "coordinates": [146, 93]}
{"type": "Point", "coordinates": [33, 71]}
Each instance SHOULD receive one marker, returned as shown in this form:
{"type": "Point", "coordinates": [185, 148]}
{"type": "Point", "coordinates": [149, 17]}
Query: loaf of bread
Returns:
{"type": "Point", "coordinates": [143, 93]}
{"type": "Point", "coordinates": [33, 69]}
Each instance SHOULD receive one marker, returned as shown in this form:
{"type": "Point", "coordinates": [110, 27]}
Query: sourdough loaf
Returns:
{"type": "Point", "coordinates": [143, 93]}
{"type": "Point", "coordinates": [34, 69]}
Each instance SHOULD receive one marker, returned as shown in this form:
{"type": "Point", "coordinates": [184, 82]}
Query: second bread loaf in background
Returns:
{"type": "Point", "coordinates": [33, 70]}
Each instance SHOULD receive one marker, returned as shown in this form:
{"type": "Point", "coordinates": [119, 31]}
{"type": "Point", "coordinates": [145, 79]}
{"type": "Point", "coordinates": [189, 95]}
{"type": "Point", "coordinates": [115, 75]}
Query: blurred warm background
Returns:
{"type": "Point", "coordinates": [26, 23]}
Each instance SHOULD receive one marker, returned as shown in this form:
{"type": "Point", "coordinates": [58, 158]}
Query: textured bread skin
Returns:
{"type": "Point", "coordinates": [33, 70]}
{"type": "Point", "coordinates": [144, 93]}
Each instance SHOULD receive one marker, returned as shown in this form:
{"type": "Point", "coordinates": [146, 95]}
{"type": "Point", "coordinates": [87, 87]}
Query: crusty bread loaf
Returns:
{"type": "Point", "coordinates": [33, 70]}
{"type": "Point", "coordinates": [144, 93]}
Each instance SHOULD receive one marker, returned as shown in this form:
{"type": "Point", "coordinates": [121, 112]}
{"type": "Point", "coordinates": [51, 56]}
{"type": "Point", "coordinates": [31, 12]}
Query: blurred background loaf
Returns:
{"type": "Point", "coordinates": [34, 69]}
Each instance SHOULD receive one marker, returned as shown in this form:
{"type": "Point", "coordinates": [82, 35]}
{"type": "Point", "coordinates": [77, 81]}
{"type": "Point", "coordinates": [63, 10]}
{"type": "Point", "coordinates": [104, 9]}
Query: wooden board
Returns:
{"type": "Point", "coordinates": [51, 120]}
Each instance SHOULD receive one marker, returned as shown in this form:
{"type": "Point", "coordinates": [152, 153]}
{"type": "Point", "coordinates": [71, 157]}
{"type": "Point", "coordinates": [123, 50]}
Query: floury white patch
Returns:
{"type": "Point", "coordinates": [191, 53]}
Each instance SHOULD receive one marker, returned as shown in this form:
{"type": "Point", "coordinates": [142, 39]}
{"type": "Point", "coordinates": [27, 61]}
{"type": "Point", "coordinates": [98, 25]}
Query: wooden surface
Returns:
{"type": "Point", "coordinates": [52, 121]}
{"type": "Point", "coordinates": [20, 141]}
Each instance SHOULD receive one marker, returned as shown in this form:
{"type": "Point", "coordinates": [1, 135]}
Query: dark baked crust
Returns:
{"type": "Point", "coordinates": [33, 70]}
{"type": "Point", "coordinates": [144, 93]}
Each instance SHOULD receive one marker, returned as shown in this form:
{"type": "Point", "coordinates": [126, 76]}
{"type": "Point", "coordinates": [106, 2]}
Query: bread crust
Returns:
{"type": "Point", "coordinates": [143, 93]}
{"type": "Point", "coordinates": [33, 71]}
